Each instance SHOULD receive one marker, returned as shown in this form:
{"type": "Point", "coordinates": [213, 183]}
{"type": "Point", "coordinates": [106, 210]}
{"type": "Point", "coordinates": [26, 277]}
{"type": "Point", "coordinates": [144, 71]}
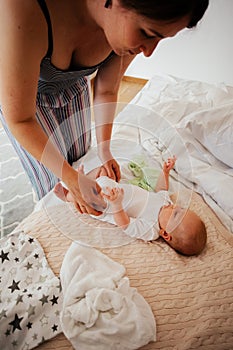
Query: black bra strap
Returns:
{"type": "Point", "coordinates": [44, 8]}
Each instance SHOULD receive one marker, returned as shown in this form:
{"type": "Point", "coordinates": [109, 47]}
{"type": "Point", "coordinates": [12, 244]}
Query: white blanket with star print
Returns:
{"type": "Point", "coordinates": [30, 294]}
{"type": "Point", "coordinates": [100, 309]}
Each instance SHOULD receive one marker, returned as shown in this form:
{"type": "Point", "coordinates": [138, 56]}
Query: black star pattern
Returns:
{"type": "Point", "coordinates": [54, 300]}
{"type": "Point", "coordinates": [7, 333]}
{"type": "Point", "coordinates": [35, 336]}
{"type": "Point", "coordinates": [3, 313]}
{"type": "Point", "coordinates": [4, 256]}
{"type": "Point", "coordinates": [29, 325]}
{"type": "Point", "coordinates": [42, 341]}
{"type": "Point", "coordinates": [14, 286]}
{"type": "Point", "coordinates": [31, 310]}
{"type": "Point", "coordinates": [44, 299]}
{"type": "Point", "coordinates": [54, 328]}
{"type": "Point", "coordinates": [16, 323]}
{"type": "Point", "coordinates": [19, 299]}
{"type": "Point", "coordinates": [28, 266]}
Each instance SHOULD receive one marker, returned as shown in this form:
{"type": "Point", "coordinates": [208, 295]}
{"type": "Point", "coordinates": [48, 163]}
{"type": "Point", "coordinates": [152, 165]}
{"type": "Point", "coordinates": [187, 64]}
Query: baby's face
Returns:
{"type": "Point", "coordinates": [171, 216]}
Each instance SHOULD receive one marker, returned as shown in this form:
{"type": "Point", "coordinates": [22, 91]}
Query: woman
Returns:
{"type": "Point", "coordinates": [48, 48]}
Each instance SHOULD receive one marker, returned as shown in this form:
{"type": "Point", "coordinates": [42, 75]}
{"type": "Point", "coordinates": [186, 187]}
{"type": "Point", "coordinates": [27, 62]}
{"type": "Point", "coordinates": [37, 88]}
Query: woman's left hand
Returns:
{"type": "Point", "coordinates": [109, 164]}
{"type": "Point", "coordinates": [112, 169]}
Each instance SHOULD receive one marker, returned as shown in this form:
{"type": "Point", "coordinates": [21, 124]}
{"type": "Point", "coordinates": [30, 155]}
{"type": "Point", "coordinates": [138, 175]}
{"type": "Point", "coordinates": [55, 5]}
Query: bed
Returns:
{"type": "Point", "coordinates": [191, 298]}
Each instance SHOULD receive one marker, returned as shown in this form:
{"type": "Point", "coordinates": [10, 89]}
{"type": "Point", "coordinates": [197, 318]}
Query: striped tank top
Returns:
{"type": "Point", "coordinates": [53, 79]}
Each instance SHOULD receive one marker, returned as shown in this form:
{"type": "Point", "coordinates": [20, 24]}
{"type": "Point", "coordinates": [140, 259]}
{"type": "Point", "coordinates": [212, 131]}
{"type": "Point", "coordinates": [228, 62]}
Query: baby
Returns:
{"type": "Point", "coordinates": [148, 215]}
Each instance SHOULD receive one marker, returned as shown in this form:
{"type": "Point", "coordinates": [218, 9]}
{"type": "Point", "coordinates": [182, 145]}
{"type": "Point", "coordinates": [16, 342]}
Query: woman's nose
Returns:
{"type": "Point", "coordinates": [148, 48]}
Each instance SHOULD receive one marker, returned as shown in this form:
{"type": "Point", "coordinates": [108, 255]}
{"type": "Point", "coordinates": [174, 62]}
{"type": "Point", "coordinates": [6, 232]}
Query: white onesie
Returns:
{"type": "Point", "coordinates": [142, 207]}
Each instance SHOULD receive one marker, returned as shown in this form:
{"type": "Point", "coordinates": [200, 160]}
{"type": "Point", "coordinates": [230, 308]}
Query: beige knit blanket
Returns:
{"type": "Point", "coordinates": [191, 297]}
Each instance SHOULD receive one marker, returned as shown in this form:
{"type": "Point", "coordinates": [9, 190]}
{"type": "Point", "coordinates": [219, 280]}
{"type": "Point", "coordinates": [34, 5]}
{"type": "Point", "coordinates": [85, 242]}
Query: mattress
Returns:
{"type": "Point", "coordinates": [191, 297]}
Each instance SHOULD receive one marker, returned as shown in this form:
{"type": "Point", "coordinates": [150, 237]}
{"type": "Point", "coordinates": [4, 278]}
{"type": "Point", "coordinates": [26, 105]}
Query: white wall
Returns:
{"type": "Point", "coordinates": [204, 53]}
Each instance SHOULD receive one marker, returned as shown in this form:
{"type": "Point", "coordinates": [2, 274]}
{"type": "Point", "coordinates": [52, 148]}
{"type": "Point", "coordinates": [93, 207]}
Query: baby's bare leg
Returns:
{"type": "Point", "coordinates": [62, 193]}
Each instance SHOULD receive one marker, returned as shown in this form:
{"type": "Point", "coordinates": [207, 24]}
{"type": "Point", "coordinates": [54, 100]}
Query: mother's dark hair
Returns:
{"type": "Point", "coordinates": [168, 10]}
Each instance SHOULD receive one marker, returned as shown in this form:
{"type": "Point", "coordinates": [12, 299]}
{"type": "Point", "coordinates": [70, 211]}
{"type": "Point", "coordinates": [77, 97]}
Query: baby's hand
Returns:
{"type": "Point", "coordinates": [114, 195]}
{"type": "Point", "coordinates": [169, 164]}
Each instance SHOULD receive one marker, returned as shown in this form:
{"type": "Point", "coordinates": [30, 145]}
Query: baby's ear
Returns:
{"type": "Point", "coordinates": [166, 236]}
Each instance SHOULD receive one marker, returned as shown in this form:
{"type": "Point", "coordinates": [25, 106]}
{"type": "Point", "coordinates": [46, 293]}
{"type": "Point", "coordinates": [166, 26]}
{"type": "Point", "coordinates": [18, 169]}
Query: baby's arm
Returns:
{"type": "Point", "coordinates": [115, 196]}
{"type": "Point", "coordinates": [163, 180]}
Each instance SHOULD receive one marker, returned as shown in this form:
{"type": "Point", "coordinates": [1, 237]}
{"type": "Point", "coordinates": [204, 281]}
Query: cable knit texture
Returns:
{"type": "Point", "coordinates": [191, 297]}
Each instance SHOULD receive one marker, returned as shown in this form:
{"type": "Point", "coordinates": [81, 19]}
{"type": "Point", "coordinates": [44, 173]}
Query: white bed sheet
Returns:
{"type": "Point", "coordinates": [194, 121]}
{"type": "Point", "coordinates": [191, 119]}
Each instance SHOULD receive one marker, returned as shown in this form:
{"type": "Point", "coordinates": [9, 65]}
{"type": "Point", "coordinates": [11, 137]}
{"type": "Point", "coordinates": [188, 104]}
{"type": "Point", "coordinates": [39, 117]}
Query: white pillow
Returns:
{"type": "Point", "coordinates": [213, 128]}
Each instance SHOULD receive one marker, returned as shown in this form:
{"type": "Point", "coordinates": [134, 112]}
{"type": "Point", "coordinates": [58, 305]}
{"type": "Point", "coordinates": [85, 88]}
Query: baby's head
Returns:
{"type": "Point", "coordinates": [182, 229]}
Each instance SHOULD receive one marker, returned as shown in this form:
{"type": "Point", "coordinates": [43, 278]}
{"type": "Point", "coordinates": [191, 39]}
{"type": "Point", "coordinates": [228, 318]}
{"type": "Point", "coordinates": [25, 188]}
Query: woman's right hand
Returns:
{"type": "Point", "coordinates": [86, 194]}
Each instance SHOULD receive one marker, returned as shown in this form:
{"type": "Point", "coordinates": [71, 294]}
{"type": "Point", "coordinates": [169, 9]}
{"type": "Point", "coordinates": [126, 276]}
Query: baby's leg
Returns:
{"type": "Point", "coordinates": [62, 193]}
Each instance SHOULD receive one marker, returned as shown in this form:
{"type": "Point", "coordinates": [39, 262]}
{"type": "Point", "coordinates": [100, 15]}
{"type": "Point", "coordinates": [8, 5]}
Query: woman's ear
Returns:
{"type": "Point", "coordinates": [166, 236]}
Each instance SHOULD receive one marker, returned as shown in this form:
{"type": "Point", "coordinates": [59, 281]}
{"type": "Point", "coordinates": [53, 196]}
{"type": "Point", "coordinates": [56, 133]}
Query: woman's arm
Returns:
{"type": "Point", "coordinates": [24, 42]}
{"type": "Point", "coordinates": [106, 86]}
{"type": "Point", "coordinates": [22, 50]}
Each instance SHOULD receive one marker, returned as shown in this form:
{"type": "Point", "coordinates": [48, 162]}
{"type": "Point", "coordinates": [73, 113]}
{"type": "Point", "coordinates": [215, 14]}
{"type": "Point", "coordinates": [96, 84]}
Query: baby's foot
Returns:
{"type": "Point", "coordinates": [60, 191]}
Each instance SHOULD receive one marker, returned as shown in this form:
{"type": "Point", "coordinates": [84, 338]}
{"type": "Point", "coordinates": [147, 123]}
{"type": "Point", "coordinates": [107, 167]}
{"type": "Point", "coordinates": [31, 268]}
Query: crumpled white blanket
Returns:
{"type": "Point", "coordinates": [100, 309]}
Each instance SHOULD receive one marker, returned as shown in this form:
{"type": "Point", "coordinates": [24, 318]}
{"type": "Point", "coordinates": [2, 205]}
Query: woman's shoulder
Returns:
{"type": "Point", "coordinates": [21, 13]}
{"type": "Point", "coordinates": [24, 23]}
{"type": "Point", "coordinates": [24, 41]}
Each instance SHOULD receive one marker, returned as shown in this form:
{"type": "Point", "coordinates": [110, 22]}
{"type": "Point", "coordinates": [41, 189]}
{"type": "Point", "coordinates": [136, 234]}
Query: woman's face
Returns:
{"type": "Point", "coordinates": [130, 34]}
